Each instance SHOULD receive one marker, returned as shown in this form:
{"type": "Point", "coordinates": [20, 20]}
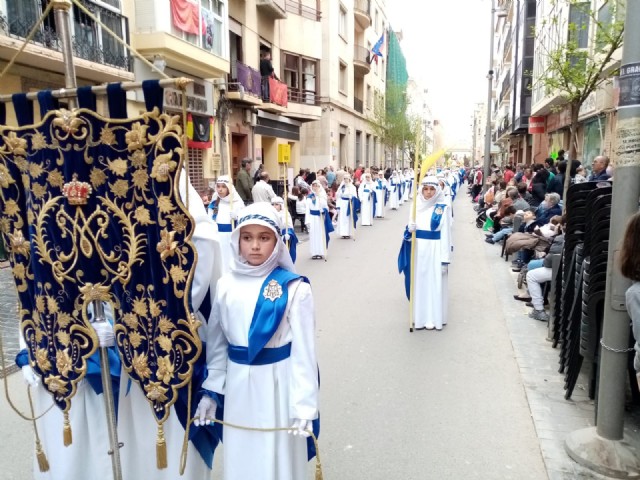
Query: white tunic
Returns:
{"type": "Point", "coordinates": [264, 396]}
{"type": "Point", "coordinates": [381, 186]}
{"type": "Point", "coordinates": [367, 198]}
{"type": "Point", "coordinates": [344, 196]}
{"type": "Point", "coordinates": [317, 238]}
{"type": "Point", "coordinates": [223, 219]}
{"type": "Point", "coordinates": [394, 202]}
{"type": "Point", "coordinates": [429, 295]}
{"type": "Point", "coordinates": [407, 183]}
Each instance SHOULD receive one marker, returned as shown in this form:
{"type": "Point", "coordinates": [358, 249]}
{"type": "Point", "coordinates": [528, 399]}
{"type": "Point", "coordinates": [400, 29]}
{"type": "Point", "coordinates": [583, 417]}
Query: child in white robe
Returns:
{"type": "Point", "coordinates": [289, 236]}
{"type": "Point", "coordinates": [346, 203]}
{"type": "Point", "coordinates": [261, 355]}
{"type": "Point", "coordinates": [223, 209]}
{"type": "Point", "coordinates": [396, 189]}
{"type": "Point", "coordinates": [382, 187]}
{"type": "Point", "coordinates": [367, 196]}
{"type": "Point", "coordinates": [317, 221]}
{"type": "Point", "coordinates": [432, 225]}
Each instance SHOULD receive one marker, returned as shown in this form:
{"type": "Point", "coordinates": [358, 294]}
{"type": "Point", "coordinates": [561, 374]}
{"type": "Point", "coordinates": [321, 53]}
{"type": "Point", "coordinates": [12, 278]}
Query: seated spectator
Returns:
{"type": "Point", "coordinates": [581, 175]}
{"type": "Point", "coordinates": [538, 276]}
{"type": "Point", "coordinates": [505, 226]}
{"type": "Point", "coordinates": [538, 185]}
{"type": "Point", "coordinates": [522, 202]}
{"type": "Point", "coordinates": [599, 169]}
{"type": "Point", "coordinates": [548, 209]}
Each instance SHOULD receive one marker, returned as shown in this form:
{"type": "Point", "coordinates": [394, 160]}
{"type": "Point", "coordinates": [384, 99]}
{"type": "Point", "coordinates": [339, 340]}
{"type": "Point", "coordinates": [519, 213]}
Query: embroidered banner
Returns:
{"type": "Point", "coordinates": [89, 212]}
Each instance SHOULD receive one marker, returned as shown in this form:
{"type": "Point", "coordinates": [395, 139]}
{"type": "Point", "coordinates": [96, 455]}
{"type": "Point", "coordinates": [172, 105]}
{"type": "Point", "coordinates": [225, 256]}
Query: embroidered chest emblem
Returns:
{"type": "Point", "coordinates": [272, 291]}
{"type": "Point", "coordinates": [439, 211]}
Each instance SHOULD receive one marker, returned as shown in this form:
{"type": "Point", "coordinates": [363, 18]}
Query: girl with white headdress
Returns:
{"type": "Point", "coordinates": [382, 187]}
{"type": "Point", "coordinates": [394, 198]}
{"type": "Point", "coordinates": [346, 203]}
{"type": "Point", "coordinates": [261, 355]}
{"type": "Point", "coordinates": [318, 221]}
{"type": "Point", "coordinates": [223, 209]}
{"type": "Point", "coordinates": [407, 185]}
{"type": "Point", "coordinates": [432, 225]}
{"type": "Point", "coordinates": [367, 196]}
{"type": "Point", "coordinates": [288, 233]}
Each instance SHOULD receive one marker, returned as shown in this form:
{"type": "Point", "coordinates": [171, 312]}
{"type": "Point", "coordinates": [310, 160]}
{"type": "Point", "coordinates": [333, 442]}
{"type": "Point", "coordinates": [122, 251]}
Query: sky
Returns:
{"type": "Point", "coordinates": [446, 45]}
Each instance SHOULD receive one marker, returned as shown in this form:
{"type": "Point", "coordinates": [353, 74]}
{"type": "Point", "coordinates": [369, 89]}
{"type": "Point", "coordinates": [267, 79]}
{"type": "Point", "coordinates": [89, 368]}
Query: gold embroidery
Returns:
{"type": "Point", "coordinates": [139, 364]}
{"type": "Point", "coordinates": [97, 177]}
{"type": "Point", "coordinates": [107, 136]}
{"type": "Point", "coordinates": [166, 246]}
{"type": "Point", "coordinates": [63, 361]}
{"type": "Point", "coordinates": [156, 392]}
{"type": "Point", "coordinates": [272, 291]}
{"type": "Point", "coordinates": [165, 368]}
{"type": "Point", "coordinates": [118, 166]}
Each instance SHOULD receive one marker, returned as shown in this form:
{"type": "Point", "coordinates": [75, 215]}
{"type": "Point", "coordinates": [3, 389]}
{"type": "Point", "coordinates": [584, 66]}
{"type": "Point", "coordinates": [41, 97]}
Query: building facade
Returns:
{"type": "Point", "coordinates": [352, 83]}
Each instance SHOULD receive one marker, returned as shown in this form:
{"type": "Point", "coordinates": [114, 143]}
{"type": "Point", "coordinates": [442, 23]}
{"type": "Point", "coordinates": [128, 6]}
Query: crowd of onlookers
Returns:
{"type": "Point", "coordinates": [521, 208]}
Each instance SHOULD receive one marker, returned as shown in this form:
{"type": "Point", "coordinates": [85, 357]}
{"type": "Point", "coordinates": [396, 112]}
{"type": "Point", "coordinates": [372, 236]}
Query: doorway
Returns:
{"type": "Point", "coordinates": [239, 150]}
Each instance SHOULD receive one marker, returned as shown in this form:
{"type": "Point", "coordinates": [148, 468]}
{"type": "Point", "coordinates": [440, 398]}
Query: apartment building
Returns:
{"type": "Point", "coordinates": [260, 120]}
{"type": "Point", "coordinates": [98, 57]}
{"type": "Point", "coordinates": [352, 83]}
{"type": "Point", "coordinates": [420, 110]}
{"type": "Point", "coordinates": [190, 39]}
{"type": "Point", "coordinates": [597, 116]}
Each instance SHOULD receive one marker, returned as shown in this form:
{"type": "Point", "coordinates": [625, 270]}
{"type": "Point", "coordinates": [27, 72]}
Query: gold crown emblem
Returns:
{"type": "Point", "coordinates": [76, 192]}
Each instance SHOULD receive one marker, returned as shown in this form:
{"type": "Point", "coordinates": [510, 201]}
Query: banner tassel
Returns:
{"type": "Point", "coordinates": [161, 449]}
{"type": "Point", "coordinates": [43, 463]}
{"type": "Point", "coordinates": [67, 435]}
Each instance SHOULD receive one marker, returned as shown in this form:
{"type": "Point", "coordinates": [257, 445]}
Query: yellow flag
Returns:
{"type": "Point", "coordinates": [428, 162]}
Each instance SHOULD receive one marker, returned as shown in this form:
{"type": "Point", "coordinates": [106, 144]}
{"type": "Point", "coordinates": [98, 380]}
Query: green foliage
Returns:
{"type": "Point", "coordinates": [576, 67]}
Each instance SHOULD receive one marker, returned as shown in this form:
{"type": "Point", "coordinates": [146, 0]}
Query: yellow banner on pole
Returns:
{"type": "Point", "coordinates": [428, 162]}
{"type": "Point", "coordinates": [284, 153]}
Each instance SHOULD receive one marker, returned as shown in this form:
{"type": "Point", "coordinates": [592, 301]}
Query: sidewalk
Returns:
{"type": "Point", "coordinates": [554, 417]}
{"type": "Point", "coordinates": [8, 318]}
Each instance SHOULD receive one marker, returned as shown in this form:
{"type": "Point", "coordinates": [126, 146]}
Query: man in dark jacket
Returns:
{"type": "Point", "coordinates": [548, 209]}
{"type": "Point", "coordinates": [244, 182]}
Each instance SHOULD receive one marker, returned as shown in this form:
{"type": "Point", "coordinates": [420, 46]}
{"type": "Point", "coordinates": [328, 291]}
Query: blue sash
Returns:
{"type": "Point", "coordinates": [328, 226]}
{"type": "Point", "coordinates": [427, 235]}
{"type": "Point", "coordinates": [436, 216]}
{"type": "Point", "coordinates": [224, 228]}
{"type": "Point", "coordinates": [293, 243]}
{"type": "Point", "coordinates": [267, 356]}
{"type": "Point", "coordinates": [268, 312]}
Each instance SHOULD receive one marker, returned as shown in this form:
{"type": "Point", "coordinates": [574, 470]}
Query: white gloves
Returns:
{"type": "Point", "coordinates": [301, 427]}
{"type": "Point", "coordinates": [412, 227]}
{"type": "Point", "coordinates": [233, 215]}
{"type": "Point", "coordinates": [206, 411]}
{"type": "Point", "coordinates": [30, 377]}
{"type": "Point", "coordinates": [445, 268]}
{"type": "Point", "coordinates": [287, 237]}
{"type": "Point", "coordinates": [104, 330]}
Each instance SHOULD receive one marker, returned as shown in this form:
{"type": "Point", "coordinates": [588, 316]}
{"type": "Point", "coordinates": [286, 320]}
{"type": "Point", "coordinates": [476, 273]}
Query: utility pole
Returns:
{"type": "Point", "coordinates": [604, 448]}
{"type": "Point", "coordinates": [487, 135]}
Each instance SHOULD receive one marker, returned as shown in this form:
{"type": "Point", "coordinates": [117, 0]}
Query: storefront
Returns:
{"type": "Point", "coordinates": [592, 140]}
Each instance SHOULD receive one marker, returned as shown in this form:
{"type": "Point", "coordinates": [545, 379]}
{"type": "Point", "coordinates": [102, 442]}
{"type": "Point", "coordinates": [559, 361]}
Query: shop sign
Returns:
{"type": "Point", "coordinates": [629, 83]}
{"type": "Point", "coordinates": [537, 124]}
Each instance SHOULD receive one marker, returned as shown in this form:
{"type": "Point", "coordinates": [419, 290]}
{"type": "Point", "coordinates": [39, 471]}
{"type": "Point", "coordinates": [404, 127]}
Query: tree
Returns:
{"type": "Point", "coordinates": [389, 120]}
{"type": "Point", "coordinates": [577, 61]}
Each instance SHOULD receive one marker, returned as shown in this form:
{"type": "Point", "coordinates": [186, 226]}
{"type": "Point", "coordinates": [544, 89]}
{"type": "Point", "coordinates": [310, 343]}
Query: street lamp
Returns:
{"type": "Point", "coordinates": [487, 138]}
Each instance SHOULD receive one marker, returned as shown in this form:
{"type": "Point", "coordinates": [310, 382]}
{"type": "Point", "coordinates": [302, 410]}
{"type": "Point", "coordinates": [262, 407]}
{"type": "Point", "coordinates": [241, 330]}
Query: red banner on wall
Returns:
{"type": "Point", "coordinates": [185, 15]}
{"type": "Point", "coordinates": [537, 124]}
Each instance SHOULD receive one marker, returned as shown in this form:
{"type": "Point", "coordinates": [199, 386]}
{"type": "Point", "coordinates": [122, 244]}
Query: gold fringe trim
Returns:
{"type": "Point", "coordinates": [43, 463]}
{"type": "Point", "coordinates": [66, 431]}
{"type": "Point", "coordinates": [318, 471]}
{"type": "Point", "coordinates": [161, 449]}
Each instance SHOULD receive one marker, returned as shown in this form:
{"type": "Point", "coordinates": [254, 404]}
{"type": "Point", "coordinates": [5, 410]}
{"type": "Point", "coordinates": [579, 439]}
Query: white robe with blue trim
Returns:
{"type": "Point", "coordinates": [264, 396]}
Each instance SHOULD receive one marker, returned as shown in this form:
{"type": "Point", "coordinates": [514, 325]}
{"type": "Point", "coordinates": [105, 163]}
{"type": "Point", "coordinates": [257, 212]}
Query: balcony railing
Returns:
{"type": "Point", "coordinates": [362, 6]}
{"type": "Point", "coordinates": [248, 77]}
{"type": "Point", "coordinates": [358, 105]}
{"type": "Point", "coordinates": [297, 8]}
{"type": "Point", "coordinates": [89, 41]}
{"type": "Point", "coordinates": [307, 97]}
{"type": "Point", "coordinates": [507, 43]}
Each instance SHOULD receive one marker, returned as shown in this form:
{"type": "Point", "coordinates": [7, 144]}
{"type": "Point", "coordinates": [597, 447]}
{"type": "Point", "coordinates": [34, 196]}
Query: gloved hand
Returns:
{"type": "Point", "coordinates": [104, 330]}
{"type": "Point", "coordinates": [307, 225]}
{"type": "Point", "coordinates": [30, 377]}
{"type": "Point", "coordinates": [300, 427]}
{"type": "Point", "coordinates": [412, 227]}
{"type": "Point", "coordinates": [206, 411]}
{"type": "Point", "coordinates": [233, 215]}
{"type": "Point", "coordinates": [287, 237]}
{"type": "Point", "coordinates": [445, 268]}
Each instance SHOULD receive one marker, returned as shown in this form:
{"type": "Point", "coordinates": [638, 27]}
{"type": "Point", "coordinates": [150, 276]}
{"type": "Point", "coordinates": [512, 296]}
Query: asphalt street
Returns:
{"type": "Point", "coordinates": [394, 404]}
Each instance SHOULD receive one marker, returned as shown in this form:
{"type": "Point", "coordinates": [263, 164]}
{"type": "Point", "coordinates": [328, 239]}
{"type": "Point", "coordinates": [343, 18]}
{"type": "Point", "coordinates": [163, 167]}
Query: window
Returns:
{"type": "Point", "coordinates": [342, 27]}
{"type": "Point", "coordinates": [195, 168]}
{"type": "Point", "coordinates": [211, 24]}
{"type": "Point", "coordinates": [300, 75]}
{"type": "Point", "coordinates": [605, 19]}
{"type": "Point", "coordinates": [579, 23]}
{"type": "Point", "coordinates": [369, 99]}
{"type": "Point", "coordinates": [382, 70]}
{"type": "Point", "coordinates": [375, 23]}
{"type": "Point", "coordinates": [342, 85]}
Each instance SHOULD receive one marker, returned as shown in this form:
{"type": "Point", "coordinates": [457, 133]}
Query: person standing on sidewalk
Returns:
{"type": "Point", "coordinates": [630, 268]}
{"type": "Point", "coordinates": [244, 182]}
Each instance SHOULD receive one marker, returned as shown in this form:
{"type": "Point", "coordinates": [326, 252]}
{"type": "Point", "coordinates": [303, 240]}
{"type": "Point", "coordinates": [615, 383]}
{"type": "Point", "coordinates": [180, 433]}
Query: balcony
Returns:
{"type": "Point", "coordinates": [358, 105]}
{"type": "Point", "coordinates": [275, 9]}
{"type": "Point", "coordinates": [362, 13]}
{"type": "Point", "coordinates": [304, 105]}
{"type": "Point", "coordinates": [250, 80]}
{"type": "Point", "coordinates": [361, 65]}
{"type": "Point", "coordinates": [196, 49]}
{"type": "Point", "coordinates": [297, 8]}
{"type": "Point", "coordinates": [278, 97]}
{"type": "Point", "coordinates": [506, 51]}
{"type": "Point", "coordinates": [98, 57]}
